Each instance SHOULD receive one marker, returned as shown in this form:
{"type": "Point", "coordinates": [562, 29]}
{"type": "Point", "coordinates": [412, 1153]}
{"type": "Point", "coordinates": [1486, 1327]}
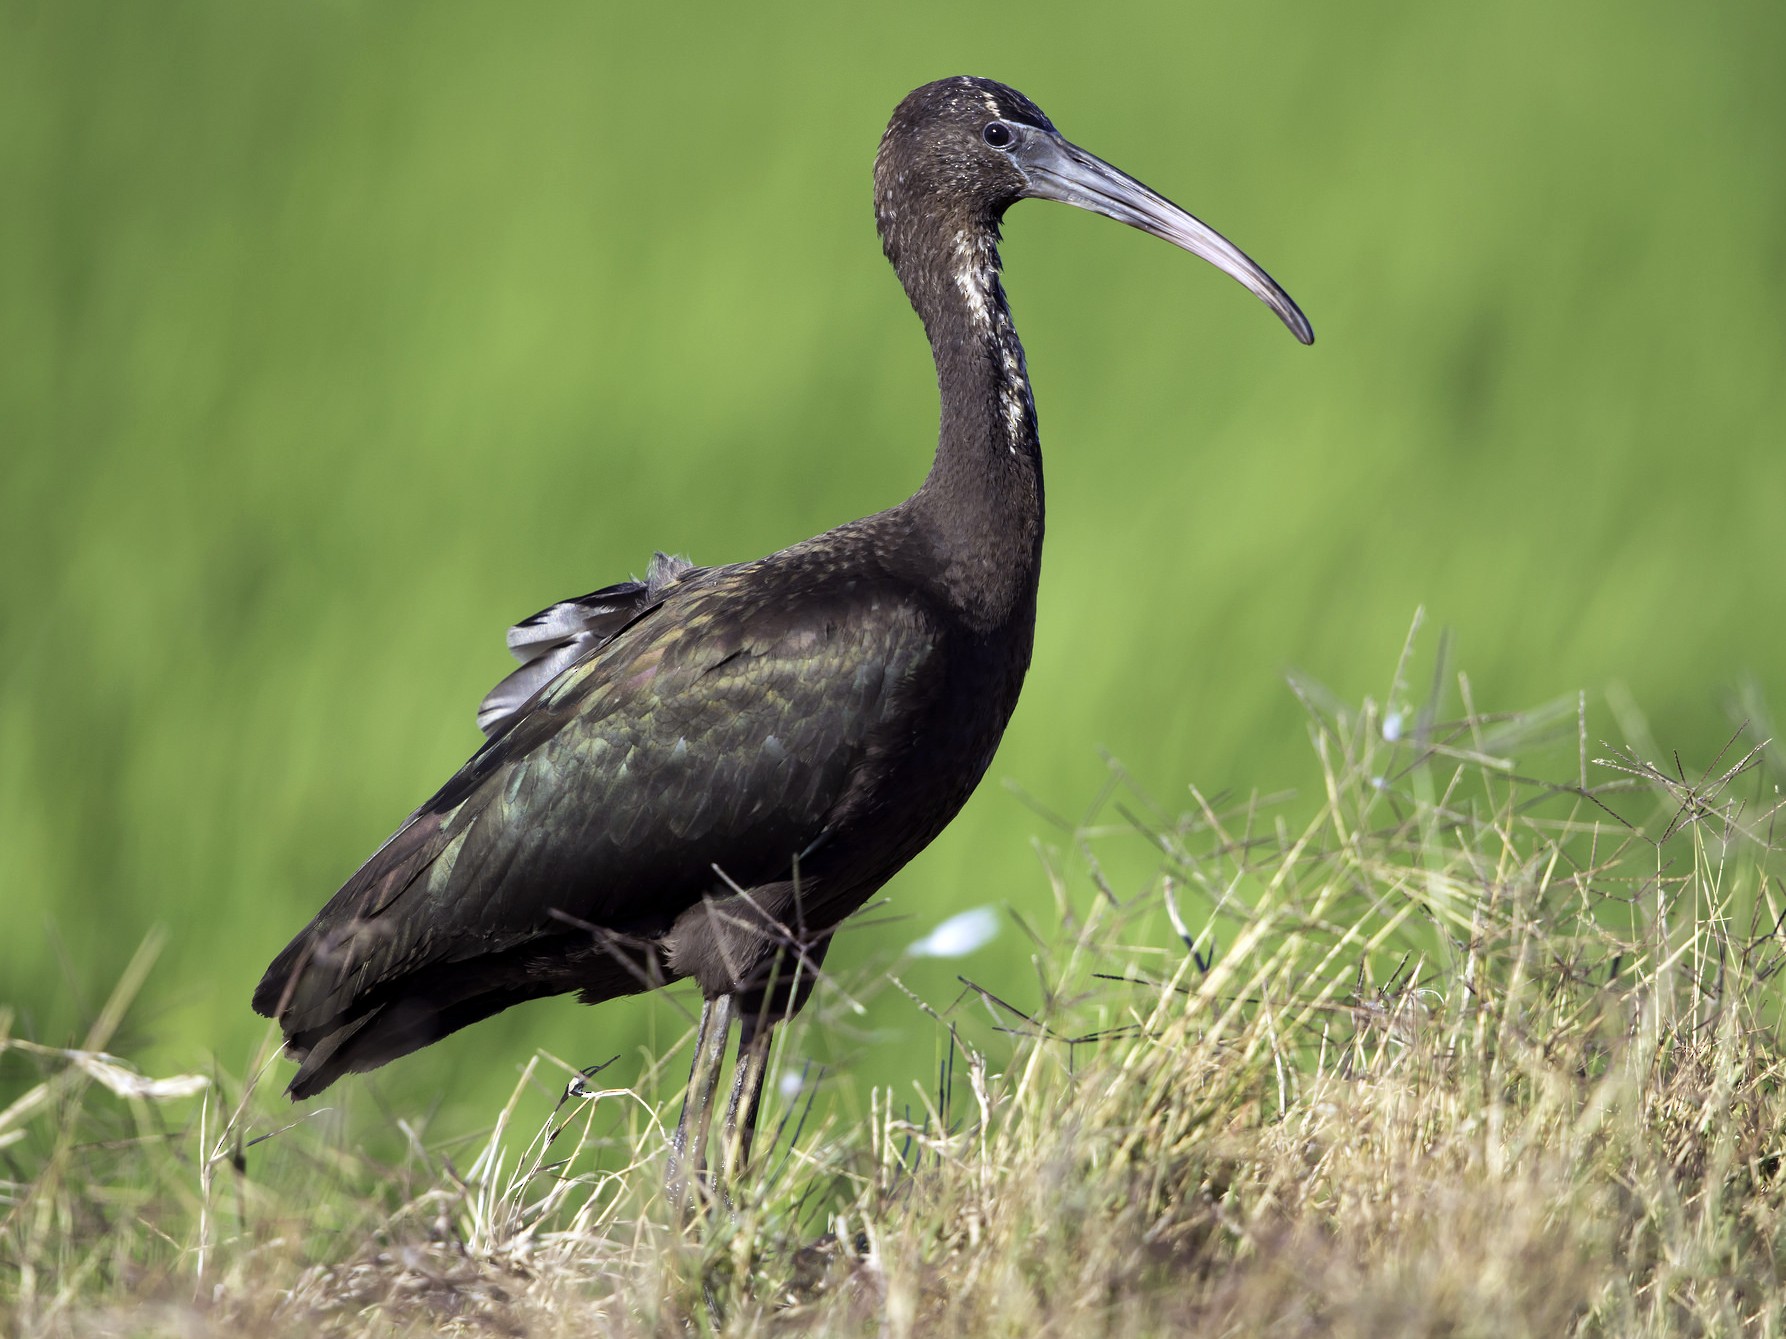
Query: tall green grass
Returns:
{"type": "Point", "coordinates": [335, 337]}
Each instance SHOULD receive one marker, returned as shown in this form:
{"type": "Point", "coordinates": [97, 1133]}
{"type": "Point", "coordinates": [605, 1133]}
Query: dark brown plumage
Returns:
{"type": "Point", "coordinates": [701, 774]}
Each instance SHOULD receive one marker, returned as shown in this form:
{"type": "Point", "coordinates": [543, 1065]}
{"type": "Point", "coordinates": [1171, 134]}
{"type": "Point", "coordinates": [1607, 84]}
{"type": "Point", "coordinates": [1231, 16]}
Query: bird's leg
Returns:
{"type": "Point", "coordinates": [747, 1092]}
{"type": "Point", "coordinates": [711, 1036]}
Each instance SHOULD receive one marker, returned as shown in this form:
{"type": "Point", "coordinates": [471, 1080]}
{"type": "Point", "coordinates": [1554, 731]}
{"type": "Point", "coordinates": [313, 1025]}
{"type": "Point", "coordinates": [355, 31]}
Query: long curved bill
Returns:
{"type": "Point", "coordinates": [1059, 170]}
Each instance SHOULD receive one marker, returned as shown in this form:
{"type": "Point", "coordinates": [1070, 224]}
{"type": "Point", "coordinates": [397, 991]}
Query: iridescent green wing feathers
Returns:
{"type": "Point", "coordinates": [695, 740]}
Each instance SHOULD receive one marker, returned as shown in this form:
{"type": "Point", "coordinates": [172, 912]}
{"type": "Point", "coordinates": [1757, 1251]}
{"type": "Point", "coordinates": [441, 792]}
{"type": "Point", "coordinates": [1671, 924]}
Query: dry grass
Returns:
{"type": "Point", "coordinates": [1466, 1054]}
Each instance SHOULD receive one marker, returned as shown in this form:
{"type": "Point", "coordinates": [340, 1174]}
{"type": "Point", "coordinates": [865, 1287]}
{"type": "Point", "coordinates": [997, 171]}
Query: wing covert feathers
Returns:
{"type": "Point", "coordinates": [551, 641]}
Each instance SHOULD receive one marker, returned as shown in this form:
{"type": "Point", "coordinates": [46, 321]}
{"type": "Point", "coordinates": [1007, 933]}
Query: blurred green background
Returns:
{"type": "Point", "coordinates": [334, 337]}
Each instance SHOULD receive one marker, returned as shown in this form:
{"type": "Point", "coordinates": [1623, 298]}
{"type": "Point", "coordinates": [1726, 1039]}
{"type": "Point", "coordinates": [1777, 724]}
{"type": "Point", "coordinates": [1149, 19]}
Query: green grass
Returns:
{"type": "Point", "coordinates": [1468, 1052]}
{"type": "Point", "coordinates": [336, 336]}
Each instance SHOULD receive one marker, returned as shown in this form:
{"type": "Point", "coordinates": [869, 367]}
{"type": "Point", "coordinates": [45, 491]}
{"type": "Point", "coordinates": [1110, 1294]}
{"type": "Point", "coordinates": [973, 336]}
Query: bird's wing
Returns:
{"type": "Point", "coordinates": [717, 732]}
{"type": "Point", "coordinates": [551, 641]}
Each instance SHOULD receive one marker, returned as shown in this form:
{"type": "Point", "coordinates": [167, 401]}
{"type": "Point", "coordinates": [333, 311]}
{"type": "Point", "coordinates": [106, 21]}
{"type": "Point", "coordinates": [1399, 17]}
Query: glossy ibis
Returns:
{"type": "Point", "coordinates": [702, 773]}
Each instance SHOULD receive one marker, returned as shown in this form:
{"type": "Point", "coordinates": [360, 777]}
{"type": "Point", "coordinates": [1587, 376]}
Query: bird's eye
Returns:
{"type": "Point", "coordinates": [999, 135]}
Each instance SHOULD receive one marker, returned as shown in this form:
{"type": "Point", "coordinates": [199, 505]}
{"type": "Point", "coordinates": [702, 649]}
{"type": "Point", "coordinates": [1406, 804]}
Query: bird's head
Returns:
{"type": "Point", "coordinates": [948, 150]}
{"type": "Point", "coordinates": [961, 151]}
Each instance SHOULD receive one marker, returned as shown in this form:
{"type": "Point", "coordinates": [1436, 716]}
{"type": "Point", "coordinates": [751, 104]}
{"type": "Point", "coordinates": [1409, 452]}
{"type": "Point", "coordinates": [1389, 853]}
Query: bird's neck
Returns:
{"type": "Point", "coordinates": [982, 502]}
